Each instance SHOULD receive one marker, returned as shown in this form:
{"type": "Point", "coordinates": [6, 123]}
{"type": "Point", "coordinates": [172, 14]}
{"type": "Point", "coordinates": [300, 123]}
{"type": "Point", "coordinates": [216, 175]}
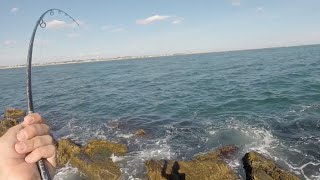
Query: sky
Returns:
{"type": "Point", "coordinates": [113, 28]}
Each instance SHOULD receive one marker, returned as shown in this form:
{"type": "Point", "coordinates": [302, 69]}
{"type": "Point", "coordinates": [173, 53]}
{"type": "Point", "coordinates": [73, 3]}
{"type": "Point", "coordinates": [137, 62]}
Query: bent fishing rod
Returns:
{"type": "Point", "coordinates": [44, 173]}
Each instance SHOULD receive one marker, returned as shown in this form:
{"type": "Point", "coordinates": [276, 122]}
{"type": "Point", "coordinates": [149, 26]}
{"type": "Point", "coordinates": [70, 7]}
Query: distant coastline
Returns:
{"type": "Point", "coordinates": [135, 57]}
{"type": "Point", "coordinates": [92, 60]}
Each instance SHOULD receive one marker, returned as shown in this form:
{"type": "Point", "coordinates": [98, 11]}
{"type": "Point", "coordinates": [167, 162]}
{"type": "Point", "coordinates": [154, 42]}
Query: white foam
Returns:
{"type": "Point", "coordinates": [263, 141]}
{"type": "Point", "coordinates": [67, 173]}
{"type": "Point", "coordinates": [116, 158]}
{"type": "Point", "coordinates": [260, 139]}
{"type": "Point", "coordinates": [132, 166]}
{"type": "Point", "coordinates": [301, 168]}
{"type": "Point", "coordinates": [126, 136]}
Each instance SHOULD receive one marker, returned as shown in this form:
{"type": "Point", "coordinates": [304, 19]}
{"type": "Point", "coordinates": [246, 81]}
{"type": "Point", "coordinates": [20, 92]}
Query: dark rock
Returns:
{"type": "Point", "coordinates": [206, 166]}
{"type": "Point", "coordinates": [258, 167]}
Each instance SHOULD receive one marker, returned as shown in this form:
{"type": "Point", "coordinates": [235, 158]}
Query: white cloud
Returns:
{"type": "Point", "coordinates": [152, 19]}
{"type": "Point", "coordinates": [9, 42]}
{"type": "Point", "coordinates": [112, 28]}
{"type": "Point", "coordinates": [260, 9]}
{"type": "Point", "coordinates": [155, 18]}
{"type": "Point", "coordinates": [14, 10]}
{"type": "Point", "coordinates": [177, 20]}
{"type": "Point", "coordinates": [73, 35]}
{"type": "Point", "coordinates": [58, 24]}
{"type": "Point", "coordinates": [236, 3]}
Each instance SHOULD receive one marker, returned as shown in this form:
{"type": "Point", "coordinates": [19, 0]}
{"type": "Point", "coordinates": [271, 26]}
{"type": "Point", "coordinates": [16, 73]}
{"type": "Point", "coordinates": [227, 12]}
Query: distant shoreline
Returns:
{"type": "Point", "coordinates": [137, 57]}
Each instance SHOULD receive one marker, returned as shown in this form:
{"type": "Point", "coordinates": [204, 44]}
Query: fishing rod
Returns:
{"type": "Point", "coordinates": [44, 173]}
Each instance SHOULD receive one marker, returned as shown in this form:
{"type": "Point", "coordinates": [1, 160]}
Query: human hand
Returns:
{"type": "Point", "coordinates": [22, 146]}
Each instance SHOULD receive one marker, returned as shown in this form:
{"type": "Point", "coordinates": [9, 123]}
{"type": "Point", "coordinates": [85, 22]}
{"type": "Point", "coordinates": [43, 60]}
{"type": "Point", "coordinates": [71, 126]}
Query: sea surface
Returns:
{"type": "Point", "coordinates": [266, 100]}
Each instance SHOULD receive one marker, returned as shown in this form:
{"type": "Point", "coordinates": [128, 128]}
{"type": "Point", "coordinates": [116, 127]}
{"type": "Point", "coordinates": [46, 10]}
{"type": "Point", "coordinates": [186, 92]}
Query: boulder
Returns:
{"type": "Point", "coordinates": [100, 147]}
{"type": "Point", "coordinates": [140, 132]}
{"type": "Point", "coordinates": [93, 159]}
{"type": "Point", "coordinates": [5, 124]}
{"type": "Point", "coordinates": [66, 150]}
{"type": "Point", "coordinates": [11, 118]}
{"type": "Point", "coordinates": [209, 166]}
{"type": "Point", "coordinates": [218, 154]}
{"type": "Point", "coordinates": [258, 167]}
{"type": "Point", "coordinates": [12, 113]}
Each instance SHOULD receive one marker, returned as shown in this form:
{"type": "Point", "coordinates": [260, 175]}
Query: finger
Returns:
{"type": "Point", "coordinates": [33, 130]}
{"type": "Point", "coordinates": [34, 143]}
{"type": "Point", "coordinates": [32, 119]}
{"type": "Point", "coordinates": [45, 152]}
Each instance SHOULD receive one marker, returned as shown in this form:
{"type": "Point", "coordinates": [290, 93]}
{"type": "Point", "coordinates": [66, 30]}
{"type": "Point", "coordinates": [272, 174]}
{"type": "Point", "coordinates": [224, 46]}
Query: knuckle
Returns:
{"type": "Point", "coordinates": [52, 150]}
{"type": "Point", "coordinates": [46, 128]}
{"type": "Point", "coordinates": [37, 116]}
{"type": "Point", "coordinates": [50, 140]}
{"type": "Point", "coordinates": [37, 142]}
{"type": "Point", "coordinates": [31, 130]}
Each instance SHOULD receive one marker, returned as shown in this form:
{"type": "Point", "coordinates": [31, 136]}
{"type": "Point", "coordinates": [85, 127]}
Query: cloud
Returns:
{"type": "Point", "coordinates": [177, 20]}
{"type": "Point", "coordinates": [152, 19]}
{"type": "Point", "coordinates": [155, 18]}
{"type": "Point", "coordinates": [112, 28]}
{"type": "Point", "coordinates": [9, 42]}
{"type": "Point", "coordinates": [260, 9]}
{"type": "Point", "coordinates": [236, 2]}
{"type": "Point", "coordinates": [14, 10]}
{"type": "Point", "coordinates": [58, 24]}
{"type": "Point", "coordinates": [73, 35]}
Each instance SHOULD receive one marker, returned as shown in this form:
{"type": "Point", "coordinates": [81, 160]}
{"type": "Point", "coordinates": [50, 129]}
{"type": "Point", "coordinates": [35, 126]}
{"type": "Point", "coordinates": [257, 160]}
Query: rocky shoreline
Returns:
{"type": "Point", "coordinates": [94, 160]}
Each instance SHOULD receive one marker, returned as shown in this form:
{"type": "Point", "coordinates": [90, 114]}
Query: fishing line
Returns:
{"type": "Point", "coordinates": [44, 173]}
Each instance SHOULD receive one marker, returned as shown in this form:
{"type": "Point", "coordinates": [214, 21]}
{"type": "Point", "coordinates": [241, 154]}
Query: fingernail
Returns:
{"type": "Point", "coordinates": [20, 147]}
{"type": "Point", "coordinates": [21, 136]}
{"type": "Point", "coordinates": [29, 119]}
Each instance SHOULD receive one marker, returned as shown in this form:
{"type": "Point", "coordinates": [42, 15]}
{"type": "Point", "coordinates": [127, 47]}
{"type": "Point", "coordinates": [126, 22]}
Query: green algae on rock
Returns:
{"type": "Point", "coordinates": [13, 113]}
{"type": "Point", "coordinates": [93, 159]}
{"type": "Point", "coordinates": [5, 124]}
{"type": "Point", "coordinates": [11, 118]}
{"type": "Point", "coordinates": [208, 166]}
{"type": "Point", "coordinates": [218, 154]}
{"type": "Point", "coordinates": [258, 167]}
{"type": "Point", "coordinates": [101, 147]}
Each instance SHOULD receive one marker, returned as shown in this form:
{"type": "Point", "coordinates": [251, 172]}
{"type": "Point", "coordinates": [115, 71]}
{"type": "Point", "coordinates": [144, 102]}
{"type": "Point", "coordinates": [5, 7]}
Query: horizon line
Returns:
{"type": "Point", "coordinates": [129, 57]}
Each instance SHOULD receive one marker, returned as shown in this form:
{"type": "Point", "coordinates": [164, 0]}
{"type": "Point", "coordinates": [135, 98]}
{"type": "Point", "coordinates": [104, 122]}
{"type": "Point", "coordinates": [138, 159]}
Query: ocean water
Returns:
{"type": "Point", "coordinates": [265, 100]}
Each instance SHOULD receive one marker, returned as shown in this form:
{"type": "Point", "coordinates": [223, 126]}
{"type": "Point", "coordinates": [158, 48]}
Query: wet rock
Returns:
{"type": "Point", "coordinates": [258, 167]}
{"type": "Point", "coordinates": [221, 153]}
{"type": "Point", "coordinates": [104, 148]}
{"type": "Point", "coordinates": [66, 150]}
{"type": "Point", "coordinates": [206, 166]}
{"type": "Point", "coordinates": [12, 113]}
{"type": "Point", "coordinates": [5, 124]}
{"type": "Point", "coordinates": [11, 118]}
{"type": "Point", "coordinates": [140, 132]}
{"type": "Point", "coordinates": [93, 159]}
